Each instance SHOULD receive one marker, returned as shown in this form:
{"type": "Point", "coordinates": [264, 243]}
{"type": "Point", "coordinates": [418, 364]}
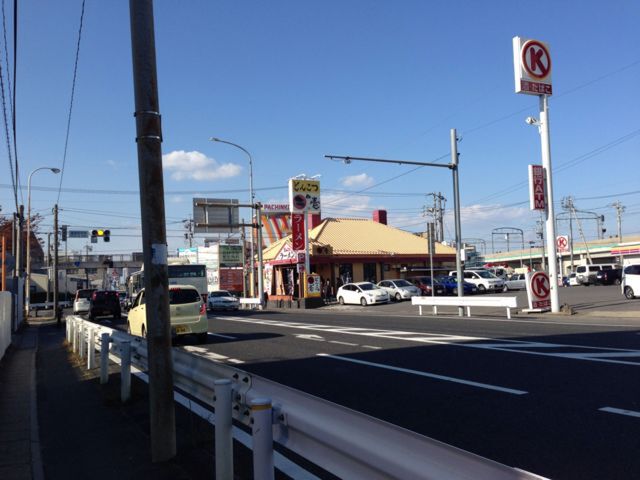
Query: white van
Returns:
{"type": "Point", "coordinates": [484, 280]}
{"type": "Point", "coordinates": [586, 274]}
{"type": "Point", "coordinates": [631, 281]}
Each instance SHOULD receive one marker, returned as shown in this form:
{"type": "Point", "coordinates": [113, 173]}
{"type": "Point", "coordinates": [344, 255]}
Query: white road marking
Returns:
{"type": "Point", "coordinates": [372, 347]}
{"type": "Point", "coordinates": [426, 374]}
{"type": "Point", "coordinates": [317, 338]}
{"type": "Point", "coordinates": [216, 357]}
{"type": "Point", "coordinates": [228, 337]}
{"type": "Point", "coordinates": [593, 354]}
{"type": "Point", "coordinates": [620, 411]}
{"type": "Point", "coordinates": [343, 343]}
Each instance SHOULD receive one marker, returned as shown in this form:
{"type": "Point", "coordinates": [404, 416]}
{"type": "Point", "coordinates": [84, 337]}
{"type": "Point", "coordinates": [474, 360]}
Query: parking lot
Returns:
{"type": "Point", "coordinates": [591, 301]}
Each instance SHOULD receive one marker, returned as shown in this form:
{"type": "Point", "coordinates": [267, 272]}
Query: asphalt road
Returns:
{"type": "Point", "coordinates": [555, 395]}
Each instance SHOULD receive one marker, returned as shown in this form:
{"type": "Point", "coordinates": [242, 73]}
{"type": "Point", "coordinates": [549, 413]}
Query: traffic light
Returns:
{"type": "Point", "coordinates": [64, 233]}
{"type": "Point", "coordinates": [106, 236]}
{"type": "Point", "coordinates": [94, 236]}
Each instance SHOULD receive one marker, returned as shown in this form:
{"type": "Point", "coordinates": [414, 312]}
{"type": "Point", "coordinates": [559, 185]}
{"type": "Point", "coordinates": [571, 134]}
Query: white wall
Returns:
{"type": "Point", "coordinates": [5, 322]}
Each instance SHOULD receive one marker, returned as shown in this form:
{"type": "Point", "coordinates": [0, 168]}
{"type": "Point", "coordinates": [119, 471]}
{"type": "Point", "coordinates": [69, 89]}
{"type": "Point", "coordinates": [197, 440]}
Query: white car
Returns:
{"type": "Point", "coordinates": [484, 280]}
{"type": "Point", "coordinates": [222, 300]}
{"type": "Point", "coordinates": [400, 289]}
{"type": "Point", "coordinates": [517, 281]}
{"type": "Point", "coordinates": [363, 293]}
{"type": "Point", "coordinates": [82, 300]}
{"type": "Point", "coordinates": [631, 281]}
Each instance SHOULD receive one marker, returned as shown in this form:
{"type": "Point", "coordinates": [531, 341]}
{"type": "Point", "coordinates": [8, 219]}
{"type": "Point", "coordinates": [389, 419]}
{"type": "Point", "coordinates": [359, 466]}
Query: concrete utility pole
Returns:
{"type": "Point", "coordinates": [456, 208]}
{"type": "Point", "coordinates": [619, 211]}
{"type": "Point", "coordinates": [154, 232]}
{"type": "Point", "coordinates": [55, 259]}
{"type": "Point", "coordinates": [437, 213]}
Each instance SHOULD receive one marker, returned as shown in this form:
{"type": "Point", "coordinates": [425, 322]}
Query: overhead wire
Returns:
{"type": "Point", "coordinates": [12, 168]}
{"type": "Point", "coordinates": [73, 89]}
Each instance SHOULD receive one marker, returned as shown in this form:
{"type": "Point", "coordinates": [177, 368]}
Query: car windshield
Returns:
{"type": "Point", "coordinates": [367, 286]}
{"type": "Point", "coordinates": [485, 274]}
{"type": "Point", "coordinates": [179, 296]}
{"type": "Point", "coordinates": [85, 293]}
{"type": "Point", "coordinates": [402, 283]}
{"type": "Point", "coordinates": [220, 293]}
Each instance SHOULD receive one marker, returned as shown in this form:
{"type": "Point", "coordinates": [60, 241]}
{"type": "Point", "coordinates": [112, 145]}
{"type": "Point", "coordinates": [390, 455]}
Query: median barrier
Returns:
{"type": "Point", "coordinates": [466, 302]}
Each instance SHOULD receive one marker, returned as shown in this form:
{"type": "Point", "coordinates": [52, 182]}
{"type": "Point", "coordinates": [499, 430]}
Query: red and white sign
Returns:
{"type": "Point", "coordinates": [538, 290]}
{"type": "Point", "coordinates": [532, 66]}
{"type": "Point", "coordinates": [537, 188]}
{"type": "Point", "coordinates": [297, 231]}
{"type": "Point", "coordinates": [562, 243]}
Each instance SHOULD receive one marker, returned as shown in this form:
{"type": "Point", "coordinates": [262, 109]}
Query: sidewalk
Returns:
{"type": "Point", "coordinates": [57, 422]}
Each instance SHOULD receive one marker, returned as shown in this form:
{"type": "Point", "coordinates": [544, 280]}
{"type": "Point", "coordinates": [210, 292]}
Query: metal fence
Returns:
{"type": "Point", "coordinates": [346, 443]}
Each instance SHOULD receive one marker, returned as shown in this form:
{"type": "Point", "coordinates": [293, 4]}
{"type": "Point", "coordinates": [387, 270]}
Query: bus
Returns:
{"type": "Point", "coordinates": [183, 274]}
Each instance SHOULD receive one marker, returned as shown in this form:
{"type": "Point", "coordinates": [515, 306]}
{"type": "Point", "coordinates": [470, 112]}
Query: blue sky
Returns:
{"type": "Point", "coordinates": [292, 81]}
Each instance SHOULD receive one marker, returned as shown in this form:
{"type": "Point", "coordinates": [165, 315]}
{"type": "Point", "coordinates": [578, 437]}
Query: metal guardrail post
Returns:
{"type": "Point", "coordinates": [104, 358]}
{"type": "Point", "coordinates": [223, 428]}
{"type": "Point", "coordinates": [125, 370]}
{"type": "Point", "coordinates": [91, 349]}
{"type": "Point", "coordinates": [67, 326]}
{"type": "Point", "coordinates": [82, 343]}
{"type": "Point", "coordinates": [262, 433]}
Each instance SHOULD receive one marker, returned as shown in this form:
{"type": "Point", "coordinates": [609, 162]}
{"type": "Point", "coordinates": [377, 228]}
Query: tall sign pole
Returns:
{"type": "Point", "coordinates": [532, 68]}
{"type": "Point", "coordinates": [456, 208]}
{"type": "Point", "coordinates": [154, 231]}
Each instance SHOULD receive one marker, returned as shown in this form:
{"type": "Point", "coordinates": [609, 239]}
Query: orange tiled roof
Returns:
{"type": "Point", "coordinates": [355, 236]}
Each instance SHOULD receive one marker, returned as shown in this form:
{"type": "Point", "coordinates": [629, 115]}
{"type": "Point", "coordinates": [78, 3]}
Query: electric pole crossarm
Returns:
{"type": "Point", "coordinates": [346, 159]}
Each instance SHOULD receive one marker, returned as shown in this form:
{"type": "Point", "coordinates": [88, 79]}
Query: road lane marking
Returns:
{"type": "Point", "coordinates": [620, 411]}
{"type": "Point", "coordinates": [426, 374]}
{"type": "Point", "coordinates": [317, 338]}
{"type": "Point", "coordinates": [228, 337]}
{"type": "Point", "coordinates": [371, 347]}
{"type": "Point", "coordinates": [344, 343]}
{"type": "Point", "coordinates": [592, 354]}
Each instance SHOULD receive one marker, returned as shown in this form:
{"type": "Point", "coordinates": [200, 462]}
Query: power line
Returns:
{"type": "Point", "coordinates": [73, 89]}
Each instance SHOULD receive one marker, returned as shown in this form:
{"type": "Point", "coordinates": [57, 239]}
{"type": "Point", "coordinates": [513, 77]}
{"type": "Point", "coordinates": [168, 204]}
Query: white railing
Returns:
{"type": "Point", "coordinates": [346, 443]}
{"type": "Point", "coordinates": [465, 302]}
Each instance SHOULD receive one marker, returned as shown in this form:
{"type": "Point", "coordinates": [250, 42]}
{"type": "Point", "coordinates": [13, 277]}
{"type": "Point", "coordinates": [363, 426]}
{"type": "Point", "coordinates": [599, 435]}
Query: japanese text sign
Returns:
{"type": "Point", "coordinates": [537, 188]}
{"type": "Point", "coordinates": [532, 66]}
{"type": "Point", "coordinates": [304, 195]}
{"type": "Point", "coordinates": [297, 231]}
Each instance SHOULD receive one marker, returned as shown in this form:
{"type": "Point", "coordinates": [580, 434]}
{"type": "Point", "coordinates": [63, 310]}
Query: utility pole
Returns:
{"type": "Point", "coordinates": [438, 215]}
{"type": "Point", "coordinates": [55, 259]}
{"type": "Point", "coordinates": [154, 231]}
{"type": "Point", "coordinates": [619, 210]}
{"type": "Point", "coordinates": [188, 224]}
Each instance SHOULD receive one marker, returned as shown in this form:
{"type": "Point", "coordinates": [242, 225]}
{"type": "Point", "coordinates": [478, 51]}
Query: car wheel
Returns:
{"type": "Point", "coordinates": [455, 291]}
{"type": "Point", "coordinates": [363, 302]}
{"type": "Point", "coordinates": [481, 289]}
{"type": "Point", "coordinates": [341, 300]}
{"type": "Point", "coordinates": [202, 337]}
{"type": "Point", "coordinates": [628, 293]}
{"type": "Point", "coordinates": [398, 297]}
{"type": "Point", "coordinates": [617, 281]}
{"type": "Point", "coordinates": [505, 289]}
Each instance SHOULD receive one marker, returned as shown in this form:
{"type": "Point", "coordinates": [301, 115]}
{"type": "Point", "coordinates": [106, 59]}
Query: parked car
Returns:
{"type": "Point", "coordinates": [450, 284]}
{"type": "Point", "coordinates": [517, 281]}
{"type": "Point", "coordinates": [484, 280]}
{"type": "Point", "coordinates": [631, 281]}
{"type": "Point", "coordinates": [572, 280]}
{"type": "Point", "coordinates": [82, 300]}
{"type": "Point", "coordinates": [363, 293]}
{"type": "Point", "coordinates": [399, 289]}
{"type": "Point", "coordinates": [222, 300]}
{"type": "Point", "coordinates": [187, 313]}
{"type": "Point", "coordinates": [123, 299]}
{"type": "Point", "coordinates": [587, 273]}
{"type": "Point", "coordinates": [609, 277]}
{"type": "Point", "coordinates": [424, 284]}
{"type": "Point", "coordinates": [104, 303]}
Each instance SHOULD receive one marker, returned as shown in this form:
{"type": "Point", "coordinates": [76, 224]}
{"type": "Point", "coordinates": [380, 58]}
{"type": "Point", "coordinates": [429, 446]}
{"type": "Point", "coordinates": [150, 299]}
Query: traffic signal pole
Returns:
{"type": "Point", "coordinates": [154, 233]}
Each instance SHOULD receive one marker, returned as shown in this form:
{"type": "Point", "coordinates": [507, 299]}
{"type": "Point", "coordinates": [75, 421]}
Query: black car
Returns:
{"type": "Point", "coordinates": [611, 276]}
{"type": "Point", "coordinates": [104, 303]}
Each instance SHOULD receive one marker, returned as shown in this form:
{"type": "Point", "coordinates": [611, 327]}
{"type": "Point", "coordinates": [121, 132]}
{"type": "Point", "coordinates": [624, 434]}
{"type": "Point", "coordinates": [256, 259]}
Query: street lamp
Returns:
{"type": "Point", "coordinates": [28, 280]}
{"type": "Point", "coordinates": [252, 195]}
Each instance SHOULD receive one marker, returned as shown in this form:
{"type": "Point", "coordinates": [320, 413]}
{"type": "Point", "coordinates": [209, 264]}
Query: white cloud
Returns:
{"type": "Point", "coordinates": [197, 166]}
{"type": "Point", "coordinates": [361, 180]}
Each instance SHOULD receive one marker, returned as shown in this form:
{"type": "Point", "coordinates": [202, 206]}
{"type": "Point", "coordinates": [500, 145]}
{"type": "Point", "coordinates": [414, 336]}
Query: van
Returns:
{"type": "Point", "coordinates": [631, 281]}
{"type": "Point", "coordinates": [483, 279]}
{"type": "Point", "coordinates": [586, 274]}
{"type": "Point", "coordinates": [82, 300]}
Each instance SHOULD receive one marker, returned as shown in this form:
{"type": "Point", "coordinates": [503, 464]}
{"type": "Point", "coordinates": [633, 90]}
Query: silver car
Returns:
{"type": "Point", "coordinates": [400, 289]}
{"type": "Point", "coordinates": [222, 300]}
{"type": "Point", "coordinates": [517, 281]}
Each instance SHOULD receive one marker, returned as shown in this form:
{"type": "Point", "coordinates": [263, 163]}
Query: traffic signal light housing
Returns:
{"type": "Point", "coordinates": [64, 233]}
{"type": "Point", "coordinates": [106, 236]}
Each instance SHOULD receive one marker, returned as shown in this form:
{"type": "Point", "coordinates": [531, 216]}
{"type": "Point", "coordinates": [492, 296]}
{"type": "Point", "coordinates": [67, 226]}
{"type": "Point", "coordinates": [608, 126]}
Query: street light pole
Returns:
{"type": "Point", "coordinates": [252, 195]}
{"type": "Point", "coordinates": [28, 280]}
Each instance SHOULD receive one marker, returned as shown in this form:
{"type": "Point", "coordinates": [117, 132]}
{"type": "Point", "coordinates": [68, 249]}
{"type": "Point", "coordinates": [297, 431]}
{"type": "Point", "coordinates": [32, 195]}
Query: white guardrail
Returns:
{"type": "Point", "coordinates": [344, 442]}
{"type": "Point", "coordinates": [466, 302]}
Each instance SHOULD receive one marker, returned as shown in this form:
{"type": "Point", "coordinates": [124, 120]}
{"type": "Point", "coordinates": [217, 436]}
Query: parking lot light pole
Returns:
{"type": "Point", "coordinates": [253, 201]}
{"type": "Point", "coordinates": [28, 280]}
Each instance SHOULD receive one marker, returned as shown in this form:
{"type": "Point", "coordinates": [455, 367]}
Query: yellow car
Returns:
{"type": "Point", "coordinates": [187, 312]}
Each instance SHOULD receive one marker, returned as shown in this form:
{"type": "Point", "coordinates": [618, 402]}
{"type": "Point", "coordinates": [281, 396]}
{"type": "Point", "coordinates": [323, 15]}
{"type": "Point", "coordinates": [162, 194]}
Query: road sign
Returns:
{"type": "Point", "coordinates": [304, 195]}
{"type": "Point", "coordinates": [562, 243]}
{"type": "Point", "coordinates": [78, 234]}
{"type": "Point", "coordinates": [538, 290]}
{"type": "Point", "coordinates": [537, 188]}
{"type": "Point", "coordinates": [532, 66]}
{"type": "Point", "coordinates": [211, 215]}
